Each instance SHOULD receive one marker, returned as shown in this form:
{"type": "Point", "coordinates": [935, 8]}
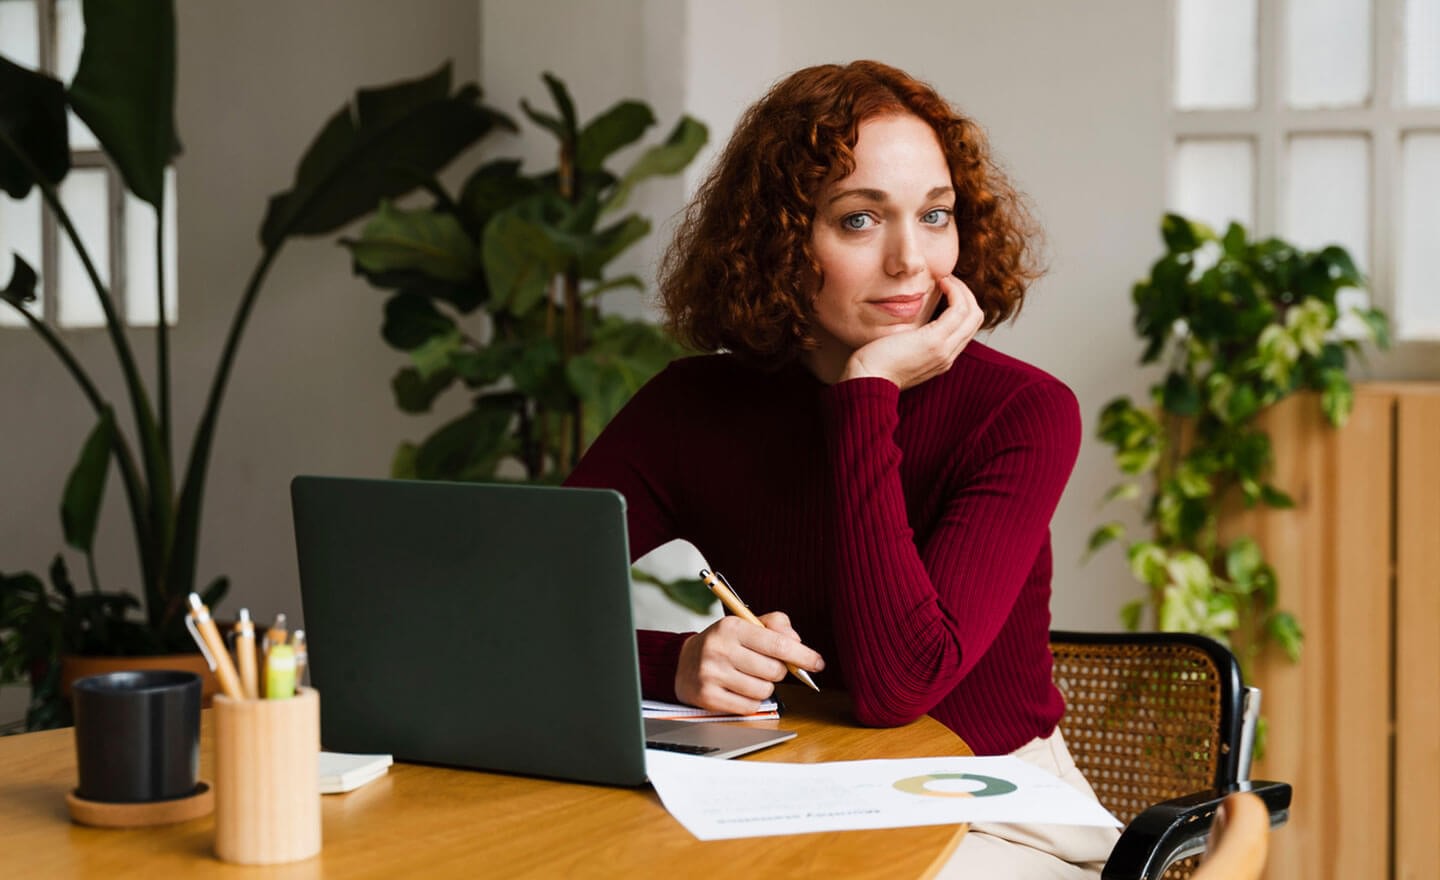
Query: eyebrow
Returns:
{"type": "Point", "coordinates": [875, 195]}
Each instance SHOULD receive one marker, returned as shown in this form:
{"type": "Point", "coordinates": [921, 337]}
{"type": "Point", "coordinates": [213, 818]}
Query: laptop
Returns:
{"type": "Point", "coordinates": [481, 626]}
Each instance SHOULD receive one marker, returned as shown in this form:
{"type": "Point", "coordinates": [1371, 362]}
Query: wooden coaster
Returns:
{"type": "Point", "coordinates": [104, 814]}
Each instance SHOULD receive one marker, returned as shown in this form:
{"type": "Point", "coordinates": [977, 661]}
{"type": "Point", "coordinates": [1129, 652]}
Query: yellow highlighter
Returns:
{"type": "Point", "coordinates": [280, 672]}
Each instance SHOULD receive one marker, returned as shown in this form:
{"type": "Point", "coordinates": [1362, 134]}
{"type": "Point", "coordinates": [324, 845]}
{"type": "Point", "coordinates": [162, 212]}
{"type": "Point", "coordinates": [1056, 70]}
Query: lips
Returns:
{"type": "Point", "coordinates": [907, 306]}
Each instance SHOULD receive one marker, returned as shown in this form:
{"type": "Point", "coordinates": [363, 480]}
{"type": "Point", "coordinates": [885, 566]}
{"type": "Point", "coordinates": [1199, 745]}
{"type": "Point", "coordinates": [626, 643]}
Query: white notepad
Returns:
{"type": "Point", "coordinates": [681, 712]}
{"type": "Point", "coordinates": [340, 772]}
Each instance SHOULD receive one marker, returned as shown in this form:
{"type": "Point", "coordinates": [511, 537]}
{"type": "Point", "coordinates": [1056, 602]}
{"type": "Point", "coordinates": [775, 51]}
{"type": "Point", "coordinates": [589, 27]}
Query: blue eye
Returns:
{"type": "Point", "coordinates": [856, 222]}
{"type": "Point", "coordinates": [936, 217]}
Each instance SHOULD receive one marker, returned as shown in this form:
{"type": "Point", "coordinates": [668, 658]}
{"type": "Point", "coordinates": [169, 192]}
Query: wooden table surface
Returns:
{"type": "Point", "coordinates": [437, 822]}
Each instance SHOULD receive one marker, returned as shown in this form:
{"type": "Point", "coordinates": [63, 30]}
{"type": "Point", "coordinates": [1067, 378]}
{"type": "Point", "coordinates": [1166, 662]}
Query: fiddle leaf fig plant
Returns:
{"type": "Point", "coordinates": [496, 290]}
{"type": "Point", "coordinates": [1240, 324]}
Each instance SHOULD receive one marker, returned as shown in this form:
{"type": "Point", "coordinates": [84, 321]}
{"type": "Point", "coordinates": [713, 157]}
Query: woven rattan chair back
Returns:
{"type": "Point", "coordinates": [1148, 716]}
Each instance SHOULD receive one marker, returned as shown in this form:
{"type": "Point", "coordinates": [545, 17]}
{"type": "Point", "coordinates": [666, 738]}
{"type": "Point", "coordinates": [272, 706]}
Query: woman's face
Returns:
{"type": "Point", "coordinates": [882, 235]}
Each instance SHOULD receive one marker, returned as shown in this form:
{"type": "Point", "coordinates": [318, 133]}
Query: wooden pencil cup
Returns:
{"type": "Point", "coordinates": [267, 791]}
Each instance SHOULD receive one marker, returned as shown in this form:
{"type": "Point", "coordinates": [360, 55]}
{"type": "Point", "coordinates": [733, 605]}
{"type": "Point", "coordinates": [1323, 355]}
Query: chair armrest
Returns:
{"type": "Point", "coordinates": [1170, 831]}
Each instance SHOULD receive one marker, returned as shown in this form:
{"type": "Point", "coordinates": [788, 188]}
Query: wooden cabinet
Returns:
{"type": "Point", "coordinates": [1355, 726]}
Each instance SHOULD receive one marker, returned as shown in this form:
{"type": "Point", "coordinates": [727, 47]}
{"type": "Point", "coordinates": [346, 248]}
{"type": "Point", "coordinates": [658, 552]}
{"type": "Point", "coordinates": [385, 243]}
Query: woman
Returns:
{"type": "Point", "coordinates": [854, 457]}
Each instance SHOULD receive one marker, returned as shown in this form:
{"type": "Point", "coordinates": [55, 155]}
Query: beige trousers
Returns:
{"type": "Point", "coordinates": [1035, 852]}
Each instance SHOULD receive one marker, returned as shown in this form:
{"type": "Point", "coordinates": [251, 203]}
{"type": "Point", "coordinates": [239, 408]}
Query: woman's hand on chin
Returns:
{"type": "Point", "coordinates": [911, 357]}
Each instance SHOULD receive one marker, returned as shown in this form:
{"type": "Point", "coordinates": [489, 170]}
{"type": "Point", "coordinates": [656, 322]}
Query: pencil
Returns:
{"type": "Point", "coordinates": [722, 590]}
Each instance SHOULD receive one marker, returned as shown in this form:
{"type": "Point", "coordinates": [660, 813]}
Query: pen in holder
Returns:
{"type": "Point", "coordinates": [267, 797]}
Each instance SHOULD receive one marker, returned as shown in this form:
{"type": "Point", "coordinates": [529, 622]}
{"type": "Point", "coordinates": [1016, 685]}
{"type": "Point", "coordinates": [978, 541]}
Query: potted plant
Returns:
{"type": "Point", "coordinates": [497, 289]}
{"type": "Point", "coordinates": [1243, 324]}
{"type": "Point", "coordinates": [124, 90]}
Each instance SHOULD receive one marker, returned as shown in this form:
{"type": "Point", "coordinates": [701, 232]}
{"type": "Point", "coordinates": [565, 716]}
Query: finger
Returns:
{"type": "Point", "coordinates": [721, 700]}
{"type": "Point", "coordinates": [961, 299]}
{"type": "Point", "coordinates": [782, 648]}
{"type": "Point", "coordinates": [731, 679]}
{"type": "Point", "coordinates": [779, 621]}
{"type": "Point", "coordinates": [757, 665]}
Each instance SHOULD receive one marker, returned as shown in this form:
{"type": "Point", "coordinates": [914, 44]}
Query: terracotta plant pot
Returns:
{"type": "Point", "coordinates": [73, 666]}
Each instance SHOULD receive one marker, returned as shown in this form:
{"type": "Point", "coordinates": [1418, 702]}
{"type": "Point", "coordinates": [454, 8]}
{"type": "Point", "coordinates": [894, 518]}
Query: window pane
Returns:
{"type": "Point", "coordinates": [1327, 53]}
{"type": "Point", "coordinates": [69, 40]}
{"type": "Point", "coordinates": [1215, 54]}
{"type": "Point", "coordinates": [85, 195]}
{"type": "Point", "coordinates": [1213, 181]}
{"type": "Point", "coordinates": [140, 277]}
{"type": "Point", "coordinates": [1422, 52]}
{"type": "Point", "coordinates": [20, 233]}
{"type": "Point", "coordinates": [20, 32]}
{"type": "Point", "coordinates": [1327, 194]}
{"type": "Point", "coordinates": [1417, 295]}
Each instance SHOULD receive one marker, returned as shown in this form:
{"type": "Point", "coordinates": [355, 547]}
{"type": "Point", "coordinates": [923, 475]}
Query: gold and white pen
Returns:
{"type": "Point", "coordinates": [245, 655]}
{"type": "Point", "coordinates": [726, 594]}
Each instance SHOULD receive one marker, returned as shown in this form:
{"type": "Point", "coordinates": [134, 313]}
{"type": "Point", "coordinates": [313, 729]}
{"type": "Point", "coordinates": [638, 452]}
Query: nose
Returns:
{"type": "Point", "coordinates": [903, 256]}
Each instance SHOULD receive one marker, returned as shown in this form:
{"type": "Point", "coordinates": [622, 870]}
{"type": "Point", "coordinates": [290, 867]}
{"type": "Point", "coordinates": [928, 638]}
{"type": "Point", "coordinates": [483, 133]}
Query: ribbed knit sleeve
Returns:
{"type": "Point", "coordinates": [911, 621]}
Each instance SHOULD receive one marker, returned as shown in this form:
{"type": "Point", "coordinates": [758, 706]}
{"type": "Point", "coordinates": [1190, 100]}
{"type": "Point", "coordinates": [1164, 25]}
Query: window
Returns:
{"type": "Point", "coordinates": [118, 230]}
{"type": "Point", "coordinates": [1298, 118]}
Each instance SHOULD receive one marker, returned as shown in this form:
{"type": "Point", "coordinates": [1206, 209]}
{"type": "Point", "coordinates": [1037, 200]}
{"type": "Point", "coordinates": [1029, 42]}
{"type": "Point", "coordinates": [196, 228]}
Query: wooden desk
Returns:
{"type": "Point", "coordinates": [435, 822]}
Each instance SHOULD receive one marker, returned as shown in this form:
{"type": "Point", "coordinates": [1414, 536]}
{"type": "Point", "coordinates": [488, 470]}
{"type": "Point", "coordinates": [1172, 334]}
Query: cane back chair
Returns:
{"type": "Point", "coordinates": [1157, 722]}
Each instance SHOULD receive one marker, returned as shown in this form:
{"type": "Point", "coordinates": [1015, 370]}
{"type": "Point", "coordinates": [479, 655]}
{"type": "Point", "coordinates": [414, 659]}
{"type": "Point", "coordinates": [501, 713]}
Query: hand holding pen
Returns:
{"type": "Point", "coordinates": [736, 661]}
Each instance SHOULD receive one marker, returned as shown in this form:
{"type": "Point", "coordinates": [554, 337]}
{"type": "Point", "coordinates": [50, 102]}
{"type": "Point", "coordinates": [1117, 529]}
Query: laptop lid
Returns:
{"type": "Point", "coordinates": [475, 625]}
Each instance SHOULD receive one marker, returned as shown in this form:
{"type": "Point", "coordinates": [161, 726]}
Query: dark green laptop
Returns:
{"type": "Point", "coordinates": [482, 626]}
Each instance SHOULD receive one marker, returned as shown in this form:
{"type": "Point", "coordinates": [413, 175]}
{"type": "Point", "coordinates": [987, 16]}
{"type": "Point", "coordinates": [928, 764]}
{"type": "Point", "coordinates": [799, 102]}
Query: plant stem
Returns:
{"type": "Point", "coordinates": [181, 573]}
{"type": "Point", "coordinates": [162, 340]}
{"type": "Point", "coordinates": [139, 400]}
{"type": "Point", "coordinates": [573, 345]}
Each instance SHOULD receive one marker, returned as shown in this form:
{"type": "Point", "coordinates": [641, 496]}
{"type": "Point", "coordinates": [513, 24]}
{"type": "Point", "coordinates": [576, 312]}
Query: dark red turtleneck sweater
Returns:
{"type": "Point", "coordinates": [906, 534]}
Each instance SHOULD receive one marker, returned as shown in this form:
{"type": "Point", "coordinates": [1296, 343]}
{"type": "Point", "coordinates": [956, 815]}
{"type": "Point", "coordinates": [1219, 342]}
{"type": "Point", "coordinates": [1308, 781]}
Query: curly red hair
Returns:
{"type": "Point", "coordinates": [741, 274]}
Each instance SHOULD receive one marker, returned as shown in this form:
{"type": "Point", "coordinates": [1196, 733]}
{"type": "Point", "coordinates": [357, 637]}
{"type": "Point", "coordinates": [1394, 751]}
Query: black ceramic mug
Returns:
{"type": "Point", "coordinates": [137, 735]}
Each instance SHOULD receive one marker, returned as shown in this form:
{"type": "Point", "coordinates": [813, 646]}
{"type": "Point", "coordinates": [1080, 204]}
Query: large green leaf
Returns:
{"type": "Point", "coordinates": [33, 131]}
{"type": "Point", "coordinates": [564, 127]}
{"type": "Point", "coordinates": [85, 488]}
{"type": "Point", "coordinates": [521, 254]}
{"type": "Point", "coordinates": [536, 373]}
{"type": "Point", "coordinates": [427, 241]}
{"type": "Point", "coordinates": [412, 320]}
{"type": "Point", "coordinates": [124, 89]}
{"type": "Point", "coordinates": [21, 289]}
{"type": "Point", "coordinates": [382, 146]}
{"type": "Point", "coordinates": [612, 130]}
{"type": "Point", "coordinates": [470, 447]}
{"type": "Point", "coordinates": [624, 354]}
{"type": "Point", "coordinates": [415, 393]}
{"type": "Point", "coordinates": [493, 187]}
{"type": "Point", "coordinates": [671, 157]}
{"type": "Point", "coordinates": [610, 242]}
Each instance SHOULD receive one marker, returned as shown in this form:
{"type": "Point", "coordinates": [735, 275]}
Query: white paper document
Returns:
{"type": "Point", "coordinates": [718, 800]}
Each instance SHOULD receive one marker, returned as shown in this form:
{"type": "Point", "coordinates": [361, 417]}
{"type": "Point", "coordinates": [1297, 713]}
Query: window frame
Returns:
{"type": "Point", "coordinates": [51, 233]}
{"type": "Point", "coordinates": [1270, 124]}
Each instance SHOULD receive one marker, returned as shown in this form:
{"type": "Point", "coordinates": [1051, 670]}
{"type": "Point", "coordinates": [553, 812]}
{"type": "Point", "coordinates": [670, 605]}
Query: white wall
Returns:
{"type": "Point", "coordinates": [310, 390]}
